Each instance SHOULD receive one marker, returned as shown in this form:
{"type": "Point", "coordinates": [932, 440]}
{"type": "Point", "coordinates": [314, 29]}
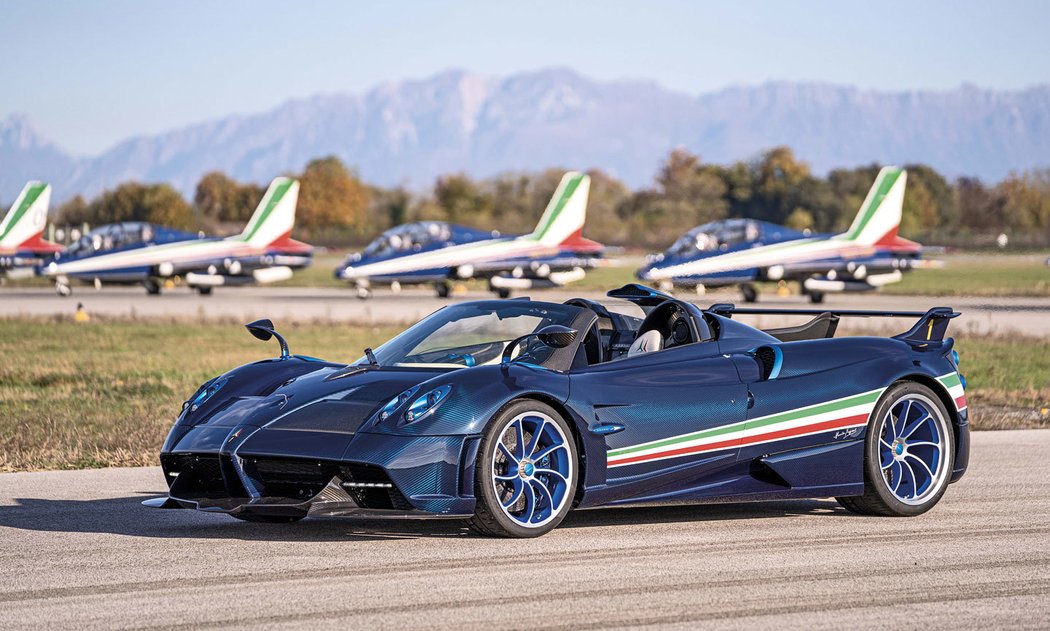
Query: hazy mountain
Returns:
{"type": "Point", "coordinates": [412, 131]}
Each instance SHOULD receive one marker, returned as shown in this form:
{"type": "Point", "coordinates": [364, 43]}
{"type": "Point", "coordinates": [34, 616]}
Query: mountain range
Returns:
{"type": "Point", "coordinates": [409, 132]}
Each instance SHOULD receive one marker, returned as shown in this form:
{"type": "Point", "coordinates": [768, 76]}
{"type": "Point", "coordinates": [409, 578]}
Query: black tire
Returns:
{"type": "Point", "coordinates": [816, 297]}
{"type": "Point", "coordinates": [204, 291]}
{"type": "Point", "coordinates": [152, 287]}
{"type": "Point", "coordinates": [878, 499]}
{"type": "Point", "coordinates": [442, 290]}
{"type": "Point", "coordinates": [267, 519]}
{"type": "Point", "coordinates": [749, 293]}
{"type": "Point", "coordinates": [489, 517]}
{"type": "Point", "coordinates": [503, 292]}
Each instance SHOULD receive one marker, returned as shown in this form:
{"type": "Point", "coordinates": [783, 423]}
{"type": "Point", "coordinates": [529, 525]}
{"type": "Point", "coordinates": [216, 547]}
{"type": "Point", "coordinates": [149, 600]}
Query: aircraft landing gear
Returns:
{"type": "Point", "coordinates": [363, 292]}
{"type": "Point", "coordinates": [502, 292]}
{"type": "Point", "coordinates": [442, 289]}
{"type": "Point", "coordinates": [152, 287]}
{"type": "Point", "coordinates": [749, 293]}
{"type": "Point", "coordinates": [63, 289]}
{"type": "Point", "coordinates": [816, 297]}
{"type": "Point", "coordinates": [204, 291]}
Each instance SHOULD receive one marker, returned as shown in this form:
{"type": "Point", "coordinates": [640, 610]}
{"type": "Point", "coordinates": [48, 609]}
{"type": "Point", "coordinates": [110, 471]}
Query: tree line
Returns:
{"type": "Point", "coordinates": [336, 207]}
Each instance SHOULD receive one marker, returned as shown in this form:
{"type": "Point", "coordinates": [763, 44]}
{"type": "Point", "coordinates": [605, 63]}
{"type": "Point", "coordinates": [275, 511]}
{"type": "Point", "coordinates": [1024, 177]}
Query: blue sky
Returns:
{"type": "Point", "coordinates": [91, 73]}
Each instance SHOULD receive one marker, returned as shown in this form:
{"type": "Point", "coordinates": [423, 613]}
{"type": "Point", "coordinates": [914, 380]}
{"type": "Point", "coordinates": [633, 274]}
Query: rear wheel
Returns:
{"type": "Point", "coordinates": [152, 287]}
{"type": "Point", "coordinates": [749, 293]}
{"type": "Point", "coordinates": [816, 297]}
{"type": "Point", "coordinates": [442, 289]}
{"type": "Point", "coordinates": [909, 453]}
{"type": "Point", "coordinates": [525, 474]}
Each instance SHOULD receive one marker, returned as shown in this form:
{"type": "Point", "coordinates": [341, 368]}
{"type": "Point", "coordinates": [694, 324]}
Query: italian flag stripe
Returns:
{"type": "Point", "coordinates": [838, 414]}
{"type": "Point", "coordinates": [953, 384]}
{"type": "Point", "coordinates": [845, 413]}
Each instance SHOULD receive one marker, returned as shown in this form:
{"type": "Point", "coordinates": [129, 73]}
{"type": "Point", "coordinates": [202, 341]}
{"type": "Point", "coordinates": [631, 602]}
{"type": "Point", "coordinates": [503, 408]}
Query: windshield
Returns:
{"type": "Point", "coordinates": [474, 334]}
{"type": "Point", "coordinates": [111, 237]}
{"type": "Point", "coordinates": [716, 235]}
{"type": "Point", "coordinates": [408, 238]}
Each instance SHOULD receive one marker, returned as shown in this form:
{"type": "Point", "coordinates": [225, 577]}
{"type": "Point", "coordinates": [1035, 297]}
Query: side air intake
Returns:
{"type": "Point", "coordinates": [769, 360]}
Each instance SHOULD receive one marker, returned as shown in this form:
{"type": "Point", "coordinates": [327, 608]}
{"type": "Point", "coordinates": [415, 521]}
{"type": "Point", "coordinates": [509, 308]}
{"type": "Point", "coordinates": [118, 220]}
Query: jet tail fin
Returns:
{"type": "Point", "coordinates": [880, 214]}
{"type": "Point", "coordinates": [565, 214]}
{"type": "Point", "coordinates": [274, 218]}
{"type": "Point", "coordinates": [26, 220]}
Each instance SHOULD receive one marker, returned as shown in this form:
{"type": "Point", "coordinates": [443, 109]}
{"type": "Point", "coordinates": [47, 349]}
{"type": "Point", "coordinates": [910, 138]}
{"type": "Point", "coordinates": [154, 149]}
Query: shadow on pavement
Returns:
{"type": "Point", "coordinates": [127, 516]}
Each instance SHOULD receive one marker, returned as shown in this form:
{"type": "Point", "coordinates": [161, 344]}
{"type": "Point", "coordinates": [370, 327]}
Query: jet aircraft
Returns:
{"type": "Point", "coordinates": [143, 253]}
{"type": "Point", "coordinates": [435, 252]}
{"type": "Point", "coordinates": [21, 246]}
{"type": "Point", "coordinates": [743, 251]}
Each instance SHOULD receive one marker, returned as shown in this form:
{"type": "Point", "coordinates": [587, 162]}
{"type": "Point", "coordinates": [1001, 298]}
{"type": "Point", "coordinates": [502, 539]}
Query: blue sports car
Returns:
{"type": "Point", "coordinates": [511, 413]}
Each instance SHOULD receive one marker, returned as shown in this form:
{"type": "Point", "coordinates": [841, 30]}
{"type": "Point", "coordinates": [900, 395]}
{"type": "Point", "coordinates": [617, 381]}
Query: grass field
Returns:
{"type": "Point", "coordinates": [105, 394]}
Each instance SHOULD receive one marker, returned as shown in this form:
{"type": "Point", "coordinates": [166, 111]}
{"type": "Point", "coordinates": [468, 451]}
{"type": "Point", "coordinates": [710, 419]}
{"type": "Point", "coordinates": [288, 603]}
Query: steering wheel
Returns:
{"type": "Point", "coordinates": [674, 324]}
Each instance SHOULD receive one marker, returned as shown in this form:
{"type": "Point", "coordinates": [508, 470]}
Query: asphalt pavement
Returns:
{"type": "Point", "coordinates": [79, 551]}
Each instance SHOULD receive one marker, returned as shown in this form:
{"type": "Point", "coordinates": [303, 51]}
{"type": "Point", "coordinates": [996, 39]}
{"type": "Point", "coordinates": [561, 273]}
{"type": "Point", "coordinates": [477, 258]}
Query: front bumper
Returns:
{"type": "Point", "coordinates": [293, 473]}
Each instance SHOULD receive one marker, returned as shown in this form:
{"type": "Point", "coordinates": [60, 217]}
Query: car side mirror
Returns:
{"type": "Point", "coordinates": [265, 330]}
{"type": "Point", "coordinates": [552, 335]}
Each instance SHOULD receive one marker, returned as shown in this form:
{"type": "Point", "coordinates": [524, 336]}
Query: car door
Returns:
{"type": "Point", "coordinates": [664, 417]}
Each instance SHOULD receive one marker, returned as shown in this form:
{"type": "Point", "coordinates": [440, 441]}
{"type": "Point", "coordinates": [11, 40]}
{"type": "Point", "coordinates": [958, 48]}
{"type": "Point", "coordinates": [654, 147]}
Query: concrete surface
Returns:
{"type": "Point", "coordinates": [284, 304]}
{"type": "Point", "coordinates": [79, 551]}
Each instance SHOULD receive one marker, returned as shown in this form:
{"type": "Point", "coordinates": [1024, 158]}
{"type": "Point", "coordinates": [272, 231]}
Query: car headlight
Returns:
{"type": "Point", "coordinates": [395, 403]}
{"type": "Point", "coordinates": [204, 393]}
{"type": "Point", "coordinates": [426, 403]}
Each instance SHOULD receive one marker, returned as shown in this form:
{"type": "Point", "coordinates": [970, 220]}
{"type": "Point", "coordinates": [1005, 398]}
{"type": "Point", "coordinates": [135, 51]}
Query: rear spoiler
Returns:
{"type": "Point", "coordinates": [930, 327]}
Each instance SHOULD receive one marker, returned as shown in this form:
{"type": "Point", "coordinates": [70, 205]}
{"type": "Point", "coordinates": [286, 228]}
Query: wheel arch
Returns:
{"type": "Point", "coordinates": [938, 389]}
{"type": "Point", "coordinates": [571, 420]}
{"type": "Point", "coordinates": [946, 399]}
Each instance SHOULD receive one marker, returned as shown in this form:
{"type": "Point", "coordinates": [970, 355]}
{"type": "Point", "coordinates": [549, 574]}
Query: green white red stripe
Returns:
{"type": "Point", "coordinates": [953, 384]}
{"type": "Point", "coordinates": [839, 414]}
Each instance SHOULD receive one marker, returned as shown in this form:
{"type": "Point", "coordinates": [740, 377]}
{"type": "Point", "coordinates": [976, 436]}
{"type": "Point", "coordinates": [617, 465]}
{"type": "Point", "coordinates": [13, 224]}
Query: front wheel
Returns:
{"type": "Point", "coordinates": [909, 453]}
{"type": "Point", "coordinates": [526, 472]}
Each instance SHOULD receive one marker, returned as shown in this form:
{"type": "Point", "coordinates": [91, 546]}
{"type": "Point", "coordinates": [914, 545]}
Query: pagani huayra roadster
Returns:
{"type": "Point", "coordinates": [510, 413]}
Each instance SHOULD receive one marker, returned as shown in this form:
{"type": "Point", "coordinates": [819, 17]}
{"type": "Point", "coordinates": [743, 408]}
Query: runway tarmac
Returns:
{"type": "Point", "coordinates": [284, 304]}
{"type": "Point", "coordinates": [79, 551]}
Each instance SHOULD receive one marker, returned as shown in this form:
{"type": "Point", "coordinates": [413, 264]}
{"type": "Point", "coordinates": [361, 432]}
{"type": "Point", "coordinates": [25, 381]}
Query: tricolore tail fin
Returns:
{"type": "Point", "coordinates": [880, 214]}
{"type": "Point", "coordinates": [274, 218]}
{"type": "Point", "coordinates": [25, 222]}
{"type": "Point", "coordinates": [565, 214]}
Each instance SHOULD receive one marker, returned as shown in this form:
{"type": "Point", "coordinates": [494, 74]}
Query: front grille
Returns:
{"type": "Point", "coordinates": [378, 497]}
{"type": "Point", "coordinates": [203, 476]}
{"type": "Point", "coordinates": [300, 479]}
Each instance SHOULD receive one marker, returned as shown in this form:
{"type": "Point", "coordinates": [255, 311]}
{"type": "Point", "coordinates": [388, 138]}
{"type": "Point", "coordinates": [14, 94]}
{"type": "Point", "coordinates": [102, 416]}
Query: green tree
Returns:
{"type": "Point", "coordinates": [221, 199]}
{"type": "Point", "coordinates": [462, 200]}
{"type": "Point", "coordinates": [330, 195]}
{"type": "Point", "coordinates": [134, 201]}
{"type": "Point", "coordinates": [73, 211]}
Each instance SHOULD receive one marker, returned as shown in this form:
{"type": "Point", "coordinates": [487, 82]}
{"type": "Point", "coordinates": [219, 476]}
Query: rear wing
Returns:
{"type": "Point", "coordinates": [930, 327]}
